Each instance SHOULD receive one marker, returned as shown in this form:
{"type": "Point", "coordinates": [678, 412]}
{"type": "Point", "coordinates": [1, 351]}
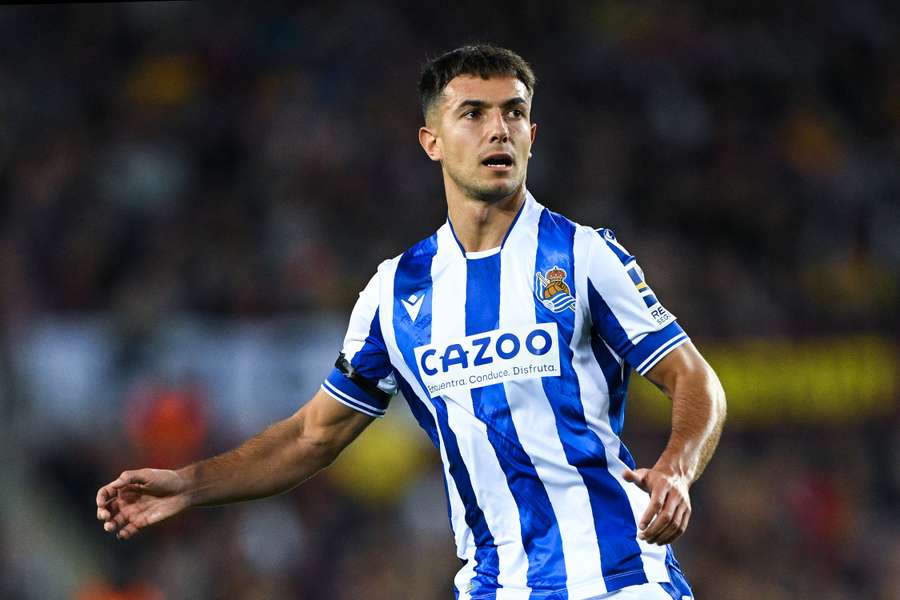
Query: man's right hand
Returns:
{"type": "Point", "coordinates": [138, 499]}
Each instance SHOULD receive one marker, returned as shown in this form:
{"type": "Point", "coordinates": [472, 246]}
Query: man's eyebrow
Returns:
{"type": "Point", "coordinates": [472, 103]}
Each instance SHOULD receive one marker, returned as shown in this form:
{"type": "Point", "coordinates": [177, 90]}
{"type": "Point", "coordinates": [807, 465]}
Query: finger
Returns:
{"type": "Point", "coordinates": [127, 531]}
{"type": "Point", "coordinates": [115, 523]}
{"type": "Point", "coordinates": [107, 510]}
{"type": "Point", "coordinates": [663, 519]}
{"type": "Point", "coordinates": [669, 524]}
{"type": "Point", "coordinates": [638, 477]}
{"type": "Point", "coordinates": [657, 501]}
{"type": "Point", "coordinates": [106, 494]}
{"type": "Point", "coordinates": [687, 518]}
{"type": "Point", "coordinates": [675, 528]}
{"type": "Point", "coordinates": [669, 530]}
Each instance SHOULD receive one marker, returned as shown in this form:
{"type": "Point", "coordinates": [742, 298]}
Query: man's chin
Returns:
{"type": "Point", "coordinates": [496, 191]}
{"type": "Point", "coordinates": [489, 189]}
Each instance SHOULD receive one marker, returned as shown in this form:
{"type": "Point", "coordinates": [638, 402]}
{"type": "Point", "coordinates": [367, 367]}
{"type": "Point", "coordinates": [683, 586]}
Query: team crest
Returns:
{"type": "Point", "coordinates": [552, 290]}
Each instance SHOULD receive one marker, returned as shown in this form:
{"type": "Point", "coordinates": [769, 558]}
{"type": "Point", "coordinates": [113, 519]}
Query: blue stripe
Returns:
{"type": "Point", "coordinates": [419, 410]}
{"type": "Point", "coordinates": [614, 522]}
{"type": "Point", "coordinates": [606, 324]}
{"type": "Point", "coordinates": [540, 530]}
{"type": "Point", "coordinates": [414, 276]}
{"type": "Point", "coordinates": [349, 400]}
{"type": "Point", "coordinates": [650, 300]}
{"type": "Point", "coordinates": [617, 385]}
{"type": "Point", "coordinates": [616, 382]}
{"type": "Point", "coordinates": [337, 380]}
{"type": "Point", "coordinates": [648, 349]}
{"type": "Point", "coordinates": [609, 237]}
{"type": "Point", "coordinates": [679, 587]}
{"type": "Point", "coordinates": [635, 278]}
{"type": "Point", "coordinates": [371, 361]}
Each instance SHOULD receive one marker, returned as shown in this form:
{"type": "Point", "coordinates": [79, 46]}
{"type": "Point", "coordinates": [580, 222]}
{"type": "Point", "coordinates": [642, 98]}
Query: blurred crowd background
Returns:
{"type": "Point", "coordinates": [192, 195]}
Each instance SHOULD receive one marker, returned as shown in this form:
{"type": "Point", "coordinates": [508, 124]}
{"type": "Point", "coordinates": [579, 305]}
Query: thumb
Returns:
{"type": "Point", "coordinates": [638, 477]}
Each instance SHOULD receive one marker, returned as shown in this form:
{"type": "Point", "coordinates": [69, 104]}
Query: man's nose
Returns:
{"type": "Point", "coordinates": [499, 128]}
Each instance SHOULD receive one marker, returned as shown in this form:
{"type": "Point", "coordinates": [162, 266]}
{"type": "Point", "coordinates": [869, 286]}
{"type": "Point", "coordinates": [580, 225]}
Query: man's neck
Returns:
{"type": "Point", "coordinates": [481, 225]}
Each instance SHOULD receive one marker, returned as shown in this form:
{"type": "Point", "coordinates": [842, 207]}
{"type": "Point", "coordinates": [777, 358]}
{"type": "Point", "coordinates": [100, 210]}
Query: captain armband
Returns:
{"type": "Point", "coordinates": [343, 365]}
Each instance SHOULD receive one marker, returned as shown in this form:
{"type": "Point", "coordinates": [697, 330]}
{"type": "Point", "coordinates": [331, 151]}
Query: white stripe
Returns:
{"type": "Point", "coordinates": [654, 358]}
{"type": "Point", "coordinates": [350, 401]}
{"type": "Point", "coordinates": [535, 423]}
{"type": "Point", "coordinates": [487, 477]}
{"type": "Point", "coordinates": [361, 318]}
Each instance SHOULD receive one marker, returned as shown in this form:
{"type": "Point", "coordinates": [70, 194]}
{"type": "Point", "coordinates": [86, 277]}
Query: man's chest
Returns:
{"type": "Point", "coordinates": [476, 323]}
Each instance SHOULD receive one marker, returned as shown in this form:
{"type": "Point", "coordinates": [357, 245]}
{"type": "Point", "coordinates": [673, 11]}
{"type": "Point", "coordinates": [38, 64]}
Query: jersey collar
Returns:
{"type": "Point", "coordinates": [527, 207]}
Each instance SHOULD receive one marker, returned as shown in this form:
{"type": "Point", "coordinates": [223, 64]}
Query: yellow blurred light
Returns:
{"type": "Point", "coordinates": [381, 464]}
{"type": "Point", "coordinates": [769, 382]}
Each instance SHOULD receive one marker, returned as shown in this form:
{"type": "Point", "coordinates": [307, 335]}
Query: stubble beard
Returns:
{"type": "Point", "coordinates": [487, 193]}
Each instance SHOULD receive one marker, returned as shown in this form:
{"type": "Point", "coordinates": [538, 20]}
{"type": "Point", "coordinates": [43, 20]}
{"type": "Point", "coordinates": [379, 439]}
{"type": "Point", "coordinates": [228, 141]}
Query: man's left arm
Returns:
{"type": "Point", "coordinates": [698, 413]}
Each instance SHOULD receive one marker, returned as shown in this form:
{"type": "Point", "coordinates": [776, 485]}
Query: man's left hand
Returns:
{"type": "Point", "coordinates": [667, 516]}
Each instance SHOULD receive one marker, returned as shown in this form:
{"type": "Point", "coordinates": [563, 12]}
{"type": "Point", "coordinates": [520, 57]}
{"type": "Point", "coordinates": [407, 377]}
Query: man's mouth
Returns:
{"type": "Point", "coordinates": [499, 161]}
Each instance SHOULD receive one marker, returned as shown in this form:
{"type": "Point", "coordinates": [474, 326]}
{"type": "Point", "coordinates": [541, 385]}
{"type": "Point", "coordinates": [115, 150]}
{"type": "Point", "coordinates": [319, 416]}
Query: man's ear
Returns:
{"type": "Point", "coordinates": [429, 141]}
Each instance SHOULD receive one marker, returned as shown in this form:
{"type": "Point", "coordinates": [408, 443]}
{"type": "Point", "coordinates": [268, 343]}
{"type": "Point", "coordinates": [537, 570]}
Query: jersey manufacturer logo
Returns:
{"type": "Point", "coordinates": [490, 357]}
{"type": "Point", "coordinates": [553, 291]}
{"type": "Point", "coordinates": [412, 305]}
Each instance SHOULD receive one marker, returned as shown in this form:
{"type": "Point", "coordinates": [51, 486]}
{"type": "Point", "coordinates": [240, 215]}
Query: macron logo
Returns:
{"type": "Point", "coordinates": [413, 305]}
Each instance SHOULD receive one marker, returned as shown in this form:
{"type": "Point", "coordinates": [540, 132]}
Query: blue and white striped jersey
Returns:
{"type": "Point", "coordinates": [515, 361]}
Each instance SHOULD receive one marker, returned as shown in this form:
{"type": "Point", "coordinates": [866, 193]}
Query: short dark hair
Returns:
{"type": "Point", "coordinates": [483, 60]}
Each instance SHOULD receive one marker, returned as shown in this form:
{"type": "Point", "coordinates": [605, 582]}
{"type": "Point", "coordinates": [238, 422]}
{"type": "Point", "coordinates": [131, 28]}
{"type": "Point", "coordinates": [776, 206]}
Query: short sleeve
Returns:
{"type": "Point", "coordinates": [363, 377]}
{"type": "Point", "coordinates": [625, 312]}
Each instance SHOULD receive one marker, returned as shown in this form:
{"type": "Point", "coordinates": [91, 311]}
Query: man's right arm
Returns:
{"type": "Point", "coordinates": [276, 460]}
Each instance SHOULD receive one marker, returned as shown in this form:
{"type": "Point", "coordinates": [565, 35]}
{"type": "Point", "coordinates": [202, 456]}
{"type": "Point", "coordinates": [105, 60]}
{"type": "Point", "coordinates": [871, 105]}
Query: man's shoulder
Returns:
{"type": "Point", "coordinates": [552, 217]}
{"type": "Point", "coordinates": [425, 247]}
{"type": "Point", "coordinates": [600, 236]}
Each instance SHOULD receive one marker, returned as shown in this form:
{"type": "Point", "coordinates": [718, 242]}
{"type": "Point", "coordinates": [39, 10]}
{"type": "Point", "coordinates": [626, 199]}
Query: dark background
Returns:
{"type": "Point", "coordinates": [191, 196]}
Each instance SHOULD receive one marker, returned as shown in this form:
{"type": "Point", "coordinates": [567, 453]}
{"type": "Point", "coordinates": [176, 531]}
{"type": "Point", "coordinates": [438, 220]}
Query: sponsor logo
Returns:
{"type": "Point", "coordinates": [488, 358]}
{"type": "Point", "coordinates": [553, 291]}
{"type": "Point", "coordinates": [412, 305]}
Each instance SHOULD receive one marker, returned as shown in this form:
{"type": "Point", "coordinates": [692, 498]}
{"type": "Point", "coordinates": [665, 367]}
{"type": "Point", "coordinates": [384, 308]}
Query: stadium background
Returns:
{"type": "Point", "coordinates": [191, 198]}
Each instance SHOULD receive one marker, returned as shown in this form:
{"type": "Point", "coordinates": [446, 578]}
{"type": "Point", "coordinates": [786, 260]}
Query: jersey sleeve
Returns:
{"type": "Point", "coordinates": [624, 310]}
{"type": "Point", "coordinates": [363, 377]}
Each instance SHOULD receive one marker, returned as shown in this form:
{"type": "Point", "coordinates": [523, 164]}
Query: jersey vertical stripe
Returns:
{"type": "Point", "coordinates": [495, 502]}
{"type": "Point", "coordinates": [535, 420]}
{"type": "Point", "coordinates": [516, 362]}
{"type": "Point", "coordinates": [613, 519]}
{"type": "Point", "coordinates": [540, 532]}
{"type": "Point", "coordinates": [413, 274]}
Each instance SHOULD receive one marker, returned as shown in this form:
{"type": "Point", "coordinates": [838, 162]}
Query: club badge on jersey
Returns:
{"type": "Point", "coordinates": [553, 291]}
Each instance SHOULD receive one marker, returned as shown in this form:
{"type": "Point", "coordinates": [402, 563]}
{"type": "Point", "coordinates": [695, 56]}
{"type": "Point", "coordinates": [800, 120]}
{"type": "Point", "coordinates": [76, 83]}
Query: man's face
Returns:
{"type": "Point", "coordinates": [481, 131]}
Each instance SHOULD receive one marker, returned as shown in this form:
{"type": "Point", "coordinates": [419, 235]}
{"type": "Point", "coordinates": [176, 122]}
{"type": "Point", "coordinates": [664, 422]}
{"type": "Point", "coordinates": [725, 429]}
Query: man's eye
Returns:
{"type": "Point", "coordinates": [470, 114]}
{"type": "Point", "coordinates": [516, 113]}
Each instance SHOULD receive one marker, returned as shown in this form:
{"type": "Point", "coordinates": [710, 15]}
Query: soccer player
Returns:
{"type": "Point", "coordinates": [511, 332]}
